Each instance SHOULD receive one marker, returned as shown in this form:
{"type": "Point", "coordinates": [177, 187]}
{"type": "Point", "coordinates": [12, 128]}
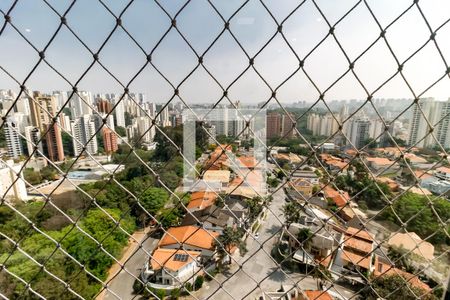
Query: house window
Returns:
{"type": "Point", "coordinates": [167, 281]}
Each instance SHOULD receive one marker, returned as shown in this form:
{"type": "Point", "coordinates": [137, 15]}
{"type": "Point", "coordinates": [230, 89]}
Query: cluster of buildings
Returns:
{"type": "Point", "coordinates": [35, 123]}
{"type": "Point", "coordinates": [358, 129]}
{"type": "Point", "coordinates": [350, 253]}
{"type": "Point", "coordinates": [414, 126]}
{"type": "Point", "coordinates": [185, 251]}
{"type": "Point", "coordinates": [280, 125]}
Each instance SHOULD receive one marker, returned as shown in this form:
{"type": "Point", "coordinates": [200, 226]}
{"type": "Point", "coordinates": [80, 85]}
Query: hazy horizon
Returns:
{"type": "Point", "coordinates": [252, 26]}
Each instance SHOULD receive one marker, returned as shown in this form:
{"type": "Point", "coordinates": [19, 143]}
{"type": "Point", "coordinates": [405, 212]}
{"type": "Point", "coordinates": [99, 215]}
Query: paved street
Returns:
{"type": "Point", "coordinates": [122, 284]}
{"type": "Point", "coordinates": [259, 269]}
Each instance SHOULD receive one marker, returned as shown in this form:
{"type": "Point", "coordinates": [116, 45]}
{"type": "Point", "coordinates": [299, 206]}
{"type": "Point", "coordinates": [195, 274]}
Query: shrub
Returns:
{"type": "Point", "coordinates": [199, 282]}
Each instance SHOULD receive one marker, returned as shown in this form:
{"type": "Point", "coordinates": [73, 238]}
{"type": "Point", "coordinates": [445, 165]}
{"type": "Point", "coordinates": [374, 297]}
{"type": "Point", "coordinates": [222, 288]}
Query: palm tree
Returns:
{"type": "Point", "coordinates": [230, 237]}
{"type": "Point", "coordinates": [320, 273]}
{"type": "Point", "coordinates": [304, 237]}
{"type": "Point", "coordinates": [291, 213]}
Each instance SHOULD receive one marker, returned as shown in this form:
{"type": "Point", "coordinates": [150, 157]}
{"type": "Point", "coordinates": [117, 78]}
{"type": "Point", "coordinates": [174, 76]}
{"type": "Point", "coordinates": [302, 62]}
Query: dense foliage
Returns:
{"type": "Point", "coordinates": [395, 287]}
{"type": "Point", "coordinates": [97, 238]}
{"type": "Point", "coordinates": [422, 218]}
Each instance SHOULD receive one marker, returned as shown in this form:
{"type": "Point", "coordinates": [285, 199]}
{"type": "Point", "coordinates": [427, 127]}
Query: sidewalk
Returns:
{"type": "Point", "coordinates": [133, 244]}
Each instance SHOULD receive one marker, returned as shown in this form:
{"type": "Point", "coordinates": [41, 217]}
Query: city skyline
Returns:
{"type": "Point", "coordinates": [305, 28]}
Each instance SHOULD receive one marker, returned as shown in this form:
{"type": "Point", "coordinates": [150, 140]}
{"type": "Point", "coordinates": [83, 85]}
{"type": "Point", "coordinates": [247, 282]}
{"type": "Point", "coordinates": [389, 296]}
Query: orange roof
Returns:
{"type": "Point", "coordinates": [380, 161]}
{"type": "Point", "coordinates": [392, 184]}
{"type": "Point", "coordinates": [383, 269]}
{"type": "Point", "coordinates": [202, 200]}
{"type": "Point", "coordinates": [339, 198]}
{"type": "Point", "coordinates": [317, 295]}
{"type": "Point", "coordinates": [189, 235]}
{"type": "Point", "coordinates": [360, 233]}
{"type": "Point", "coordinates": [443, 170]}
{"type": "Point", "coordinates": [361, 241]}
{"type": "Point", "coordinates": [248, 161]}
{"type": "Point", "coordinates": [421, 174]}
{"type": "Point", "coordinates": [356, 259]}
{"type": "Point", "coordinates": [170, 258]}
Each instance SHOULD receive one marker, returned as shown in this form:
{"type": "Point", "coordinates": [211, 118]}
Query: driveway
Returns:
{"type": "Point", "coordinates": [134, 259]}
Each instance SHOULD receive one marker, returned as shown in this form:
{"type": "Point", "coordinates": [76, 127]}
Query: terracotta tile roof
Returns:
{"type": "Point", "coordinates": [380, 161]}
{"type": "Point", "coordinates": [356, 259]}
{"type": "Point", "coordinates": [415, 159]}
{"type": "Point", "coordinates": [443, 170]}
{"type": "Point", "coordinates": [248, 161]}
{"type": "Point", "coordinates": [412, 242]}
{"type": "Point", "coordinates": [340, 199]}
{"type": "Point", "coordinates": [189, 235]}
{"type": "Point", "coordinates": [422, 175]}
{"type": "Point", "coordinates": [317, 295]}
{"type": "Point", "coordinates": [361, 241]}
{"type": "Point", "coordinates": [360, 233]}
{"type": "Point", "coordinates": [385, 269]}
{"type": "Point", "coordinates": [201, 200]}
{"type": "Point", "coordinates": [168, 258]}
{"type": "Point", "coordinates": [393, 185]}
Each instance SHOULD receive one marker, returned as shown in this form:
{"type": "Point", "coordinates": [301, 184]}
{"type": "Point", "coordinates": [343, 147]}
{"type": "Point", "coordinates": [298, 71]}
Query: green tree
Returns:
{"type": "Point", "coordinates": [320, 273]}
{"type": "Point", "coordinates": [120, 131]}
{"type": "Point", "coordinates": [421, 217]}
{"type": "Point", "coordinates": [291, 213]}
{"type": "Point", "coordinates": [394, 287]}
{"type": "Point", "coordinates": [175, 294]}
{"type": "Point", "coordinates": [31, 176]}
{"type": "Point", "coordinates": [230, 238]}
{"type": "Point", "coordinates": [67, 142]}
{"type": "Point", "coordinates": [255, 207]}
{"type": "Point", "coordinates": [198, 283]}
{"type": "Point", "coordinates": [154, 199]}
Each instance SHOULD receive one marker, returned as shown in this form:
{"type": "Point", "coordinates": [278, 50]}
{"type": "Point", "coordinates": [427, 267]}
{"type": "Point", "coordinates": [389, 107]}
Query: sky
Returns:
{"type": "Point", "coordinates": [252, 26]}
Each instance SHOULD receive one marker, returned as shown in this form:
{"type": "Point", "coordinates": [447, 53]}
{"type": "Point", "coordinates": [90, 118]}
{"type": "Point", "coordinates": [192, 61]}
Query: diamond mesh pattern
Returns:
{"type": "Point", "coordinates": [241, 279]}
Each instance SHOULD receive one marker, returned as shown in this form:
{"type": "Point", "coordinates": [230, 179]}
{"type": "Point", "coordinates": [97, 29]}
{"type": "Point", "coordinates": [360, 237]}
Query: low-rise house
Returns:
{"type": "Point", "coordinates": [356, 252]}
{"type": "Point", "coordinates": [201, 200]}
{"type": "Point", "coordinates": [391, 183]}
{"type": "Point", "coordinates": [314, 295]}
{"type": "Point", "coordinates": [218, 158]}
{"type": "Point", "coordinates": [214, 218]}
{"type": "Point", "coordinates": [222, 176]}
{"type": "Point", "coordinates": [442, 173]}
{"type": "Point", "coordinates": [334, 164]}
{"type": "Point", "coordinates": [299, 185]}
{"type": "Point", "coordinates": [340, 198]}
{"type": "Point", "coordinates": [191, 238]}
{"type": "Point", "coordinates": [412, 242]}
{"type": "Point", "coordinates": [382, 267]}
{"type": "Point", "coordinates": [382, 164]}
{"type": "Point", "coordinates": [171, 267]}
{"type": "Point", "coordinates": [309, 176]}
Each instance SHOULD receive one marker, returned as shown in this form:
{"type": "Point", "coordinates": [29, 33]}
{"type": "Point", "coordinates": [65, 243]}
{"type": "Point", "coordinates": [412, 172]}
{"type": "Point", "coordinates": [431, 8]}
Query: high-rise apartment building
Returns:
{"type": "Point", "coordinates": [144, 132]}
{"type": "Point", "coordinates": [103, 106]}
{"type": "Point", "coordinates": [83, 132]}
{"type": "Point", "coordinates": [42, 109]}
{"type": "Point", "coordinates": [119, 112]}
{"type": "Point", "coordinates": [358, 132]}
{"type": "Point", "coordinates": [53, 140]}
{"type": "Point", "coordinates": [273, 125]}
{"type": "Point", "coordinates": [443, 128]}
{"type": "Point", "coordinates": [33, 137]}
{"type": "Point", "coordinates": [81, 104]}
{"type": "Point", "coordinates": [164, 117]}
{"type": "Point", "coordinates": [287, 125]}
{"type": "Point", "coordinates": [12, 136]}
{"type": "Point", "coordinates": [437, 114]}
{"type": "Point", "coordinates": [109, 140]}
